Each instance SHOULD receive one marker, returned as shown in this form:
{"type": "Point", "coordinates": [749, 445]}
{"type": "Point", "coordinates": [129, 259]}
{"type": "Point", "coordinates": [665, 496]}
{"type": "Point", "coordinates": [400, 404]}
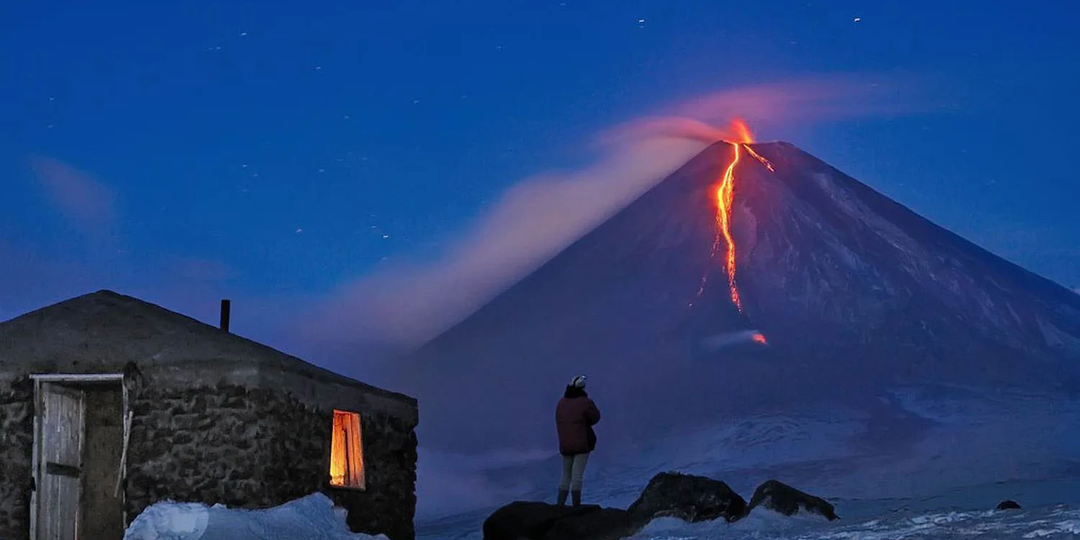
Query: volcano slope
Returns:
{"type": "Point", "coordinates": [853, 292]}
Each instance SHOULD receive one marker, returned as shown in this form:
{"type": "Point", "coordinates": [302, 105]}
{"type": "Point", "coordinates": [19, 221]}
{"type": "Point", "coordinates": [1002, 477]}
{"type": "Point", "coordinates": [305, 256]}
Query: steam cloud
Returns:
{"type": "Point", "coordinates": [403, 305]}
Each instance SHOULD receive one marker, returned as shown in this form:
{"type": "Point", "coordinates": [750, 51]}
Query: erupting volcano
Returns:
{"type": "Point", "coordinates": [856, 293]}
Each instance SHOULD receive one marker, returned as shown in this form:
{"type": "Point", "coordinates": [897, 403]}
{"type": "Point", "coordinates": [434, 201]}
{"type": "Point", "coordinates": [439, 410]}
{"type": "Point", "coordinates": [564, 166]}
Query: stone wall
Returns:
{"type": "Point", "coordinates": [16, 454]}
{"type": "Point", "coordinates": [259, 448]}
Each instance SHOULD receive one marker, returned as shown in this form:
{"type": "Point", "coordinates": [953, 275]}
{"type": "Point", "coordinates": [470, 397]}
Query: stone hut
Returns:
{"type": "Point", "coordinates": [109, 404]}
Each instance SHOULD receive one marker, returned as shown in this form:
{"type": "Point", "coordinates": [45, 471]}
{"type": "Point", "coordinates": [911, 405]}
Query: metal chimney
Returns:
{"type": "Point", "coordinates": [226, 305]}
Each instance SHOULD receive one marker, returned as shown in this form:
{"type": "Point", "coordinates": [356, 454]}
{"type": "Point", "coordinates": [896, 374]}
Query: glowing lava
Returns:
{"type": "Point", "coordinates": [757, 156]}
{"type": "Point", "coordinates": [725, 196]}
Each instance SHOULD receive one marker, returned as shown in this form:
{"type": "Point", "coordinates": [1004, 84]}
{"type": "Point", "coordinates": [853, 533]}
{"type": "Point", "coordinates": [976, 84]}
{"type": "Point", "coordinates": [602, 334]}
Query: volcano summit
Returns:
{"type": "Point", "coordinates": [754, 277]}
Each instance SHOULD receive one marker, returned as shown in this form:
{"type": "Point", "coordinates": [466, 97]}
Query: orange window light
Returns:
{"type": "Point", "coordinates": [347, 452]}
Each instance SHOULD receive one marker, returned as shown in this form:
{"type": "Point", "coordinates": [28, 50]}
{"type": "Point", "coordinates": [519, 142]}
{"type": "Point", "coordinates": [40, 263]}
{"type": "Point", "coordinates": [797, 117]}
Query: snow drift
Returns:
{"type": "Point", "coordinates": [313, 517]}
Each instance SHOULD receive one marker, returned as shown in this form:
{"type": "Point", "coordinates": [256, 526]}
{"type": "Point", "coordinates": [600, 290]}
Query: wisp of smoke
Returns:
{"type": "Point", "coordinates": [535, 219]}
{"type": "Point", "coordinates": [76, 193]}
{"type": "Point", "coordinates": [728, 339]}
{"type": "Point", "coordinates": [401, 306]}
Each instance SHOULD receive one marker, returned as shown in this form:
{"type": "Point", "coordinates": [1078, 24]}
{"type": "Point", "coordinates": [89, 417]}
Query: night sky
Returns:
{"type": "Point", "coordinates": [278, 153]}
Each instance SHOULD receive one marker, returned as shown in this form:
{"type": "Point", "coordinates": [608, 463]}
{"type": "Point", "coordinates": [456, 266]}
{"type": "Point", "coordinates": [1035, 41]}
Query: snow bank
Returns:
{"type": "Point", "coordinates": [313, 517]}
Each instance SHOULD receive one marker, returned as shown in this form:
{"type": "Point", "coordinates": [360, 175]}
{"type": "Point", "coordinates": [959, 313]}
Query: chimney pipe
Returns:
{"type": "Point", "coordinates": [225, 308]}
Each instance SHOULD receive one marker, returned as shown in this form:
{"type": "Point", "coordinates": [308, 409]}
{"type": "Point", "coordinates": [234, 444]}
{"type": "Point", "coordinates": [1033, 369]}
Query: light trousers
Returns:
{"type": "Point", "coordinates": [573, 470]}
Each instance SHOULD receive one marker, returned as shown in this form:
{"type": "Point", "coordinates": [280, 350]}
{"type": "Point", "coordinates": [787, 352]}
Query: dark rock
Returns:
{"type": "Point", "coordinates": [1008, 505]}
{"type": "Point", "coordinates": [784, 499]}
{"type": "Point", "coordinates": [601, 524]}
{"type": "Point", "coordinates": [690, 498]}
{"type": "Point", "coordinates": [541, 521]}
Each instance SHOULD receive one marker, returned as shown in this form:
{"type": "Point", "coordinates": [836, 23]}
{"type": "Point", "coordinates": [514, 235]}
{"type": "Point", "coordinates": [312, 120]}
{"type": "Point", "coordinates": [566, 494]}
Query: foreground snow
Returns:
{"type": "Point", "coordinates": [1050, 522]}
{"type": "Point", "coordinates": [313, 517]}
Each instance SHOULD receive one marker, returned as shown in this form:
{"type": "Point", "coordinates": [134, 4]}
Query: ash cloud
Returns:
{"type": "Point", "coordinates": [400, 306]}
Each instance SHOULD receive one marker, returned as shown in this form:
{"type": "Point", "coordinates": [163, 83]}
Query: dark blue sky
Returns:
{"type": "Point", "coordinates": [275, 151]}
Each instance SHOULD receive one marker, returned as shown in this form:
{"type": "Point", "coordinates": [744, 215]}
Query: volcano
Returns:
{"type": "Point", "coordinates": [755, 277]}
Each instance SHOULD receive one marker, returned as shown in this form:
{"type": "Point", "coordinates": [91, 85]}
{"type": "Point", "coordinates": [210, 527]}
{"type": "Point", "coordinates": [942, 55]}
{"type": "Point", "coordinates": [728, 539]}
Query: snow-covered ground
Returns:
{"type": "Point", "coordinates": [929, 462]}
{"type": "Point", "coordinates": [1048, 522]}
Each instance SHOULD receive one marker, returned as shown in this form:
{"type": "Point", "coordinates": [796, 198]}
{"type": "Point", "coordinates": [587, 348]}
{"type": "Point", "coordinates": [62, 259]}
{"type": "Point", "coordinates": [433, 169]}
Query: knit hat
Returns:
{"type": "Point", "coordinates": [578, 382]}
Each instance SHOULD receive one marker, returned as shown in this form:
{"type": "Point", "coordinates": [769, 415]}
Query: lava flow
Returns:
{"type": "Point", "coordinates": [725, 197]}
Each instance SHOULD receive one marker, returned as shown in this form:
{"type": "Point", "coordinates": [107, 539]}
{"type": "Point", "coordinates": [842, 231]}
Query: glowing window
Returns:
{"type": "Point", "coordinates": [347, 452]}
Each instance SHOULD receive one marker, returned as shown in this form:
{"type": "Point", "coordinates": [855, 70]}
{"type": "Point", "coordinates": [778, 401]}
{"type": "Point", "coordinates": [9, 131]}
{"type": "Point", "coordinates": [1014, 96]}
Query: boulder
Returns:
{"type": "Point", "coordinates": [541, 521]}
{"type": "Point", "coordinates": [786, 500]}
{"type": "Point", "coordinates": [687, 497]}
{"type": "Point", "coordinates": [1008, 505]}
{"type": "Point", "coordinates": [601, 524]}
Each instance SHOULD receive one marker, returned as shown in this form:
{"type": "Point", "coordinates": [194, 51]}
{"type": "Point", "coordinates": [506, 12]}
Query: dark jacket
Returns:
{"type": "Point", "coordinates": [575, 415]}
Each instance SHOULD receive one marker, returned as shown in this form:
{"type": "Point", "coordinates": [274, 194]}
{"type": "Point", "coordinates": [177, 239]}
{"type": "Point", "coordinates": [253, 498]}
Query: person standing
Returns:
{"type": "Point", "coordinates": [575, 416]}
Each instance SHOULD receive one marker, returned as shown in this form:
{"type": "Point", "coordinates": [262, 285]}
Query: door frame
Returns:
{"type": "Point", "coordinates": [77, 379]}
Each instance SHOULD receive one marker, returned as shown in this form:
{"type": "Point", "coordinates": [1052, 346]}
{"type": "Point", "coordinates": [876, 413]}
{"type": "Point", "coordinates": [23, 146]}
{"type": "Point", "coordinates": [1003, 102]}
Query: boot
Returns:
{"type": "Point", "coordinates": [562, 497]}
{"type": "Point", "coordinates": [577, 497]}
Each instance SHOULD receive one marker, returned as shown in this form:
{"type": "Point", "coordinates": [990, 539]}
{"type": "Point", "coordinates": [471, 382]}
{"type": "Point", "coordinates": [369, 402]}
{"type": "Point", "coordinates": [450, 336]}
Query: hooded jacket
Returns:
{"type": "Point", "coordinates": [575, 415]}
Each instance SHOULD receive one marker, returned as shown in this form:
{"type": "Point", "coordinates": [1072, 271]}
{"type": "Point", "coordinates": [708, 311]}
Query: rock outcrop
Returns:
{"type": "Point", "coordinates": [541, 521]}
{"type": "Point", "coordinates": [786, 500]}
{"type": "Point", "coordinates": [1008, 505]}
{"type": "Point", "coordinates": [670, 494]}
{"type": "Point", "coordinates": [687, 497]}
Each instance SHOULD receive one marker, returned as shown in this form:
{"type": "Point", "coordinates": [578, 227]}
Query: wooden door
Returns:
{"type": "Point", "coordinates": [59, 477]}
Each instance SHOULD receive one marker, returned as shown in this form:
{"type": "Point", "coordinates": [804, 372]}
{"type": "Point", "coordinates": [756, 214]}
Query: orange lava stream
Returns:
{"type": "Point", "coordinates": [759, 338]}
{"type": "Point", "coordinates": [725, 196]}
{"type": "Point", "coordinates": [757, 156]}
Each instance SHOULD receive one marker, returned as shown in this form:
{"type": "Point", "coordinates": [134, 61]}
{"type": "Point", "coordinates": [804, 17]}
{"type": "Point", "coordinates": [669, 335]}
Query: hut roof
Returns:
{"type": "Point", "coordinates": [106, 330]}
